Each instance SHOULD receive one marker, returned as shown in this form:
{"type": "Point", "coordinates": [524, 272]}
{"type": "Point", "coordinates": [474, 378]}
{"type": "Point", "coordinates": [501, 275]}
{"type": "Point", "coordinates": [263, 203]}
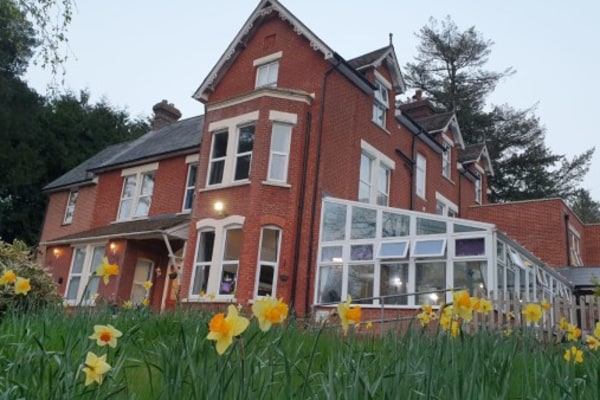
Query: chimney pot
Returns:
{"type": "Point", "coordinates": [418, 95]}
{"type": "Point", "coordinates": [164, 114]}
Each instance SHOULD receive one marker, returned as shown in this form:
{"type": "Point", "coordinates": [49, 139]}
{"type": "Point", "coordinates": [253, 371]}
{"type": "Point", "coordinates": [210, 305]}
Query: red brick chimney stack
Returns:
{"type": "Point", "coordinates": [164, 114]}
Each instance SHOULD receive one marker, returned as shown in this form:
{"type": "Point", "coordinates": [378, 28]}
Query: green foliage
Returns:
{"type": "Point", "coordinates": [17, 39]}
{"type": "Point", "coordinates": [18, 258]}
{"type": "Point", "coordinates": [167, 357]}
{"type": "Point", "coordinates": [450, 66]}
{"type": "Point", "coordinates": [585, 207]}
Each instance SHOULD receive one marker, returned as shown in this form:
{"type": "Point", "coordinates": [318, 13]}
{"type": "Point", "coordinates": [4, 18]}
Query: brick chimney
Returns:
{"type": "Point", "coordinates": [164, 114]}
{"type": "Point", "coordinates": [418, 107]}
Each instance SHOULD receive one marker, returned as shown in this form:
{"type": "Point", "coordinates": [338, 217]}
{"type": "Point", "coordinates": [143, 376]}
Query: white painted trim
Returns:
{"type": "Point", "coordinates": [388, 162]}
{"type": "Point", "coordinates": [285, 94]}
{"type": "Point", "coordinates": [280, 116]}
{"type": "Point", "coordinates": [192, 158]}
{"type": "Point", "coordinates": [267, 59]}
{"type": "Point", "coordinates": [382, 80]}
{"type": "Point", "coordinates": [447, 139]}
{"type": "Point", "coordinates": [220, 223]}
{"type": "Point", "coordinates": [139, 169]}
{"type": "Point", "coordinates": [448, 203]}
{"type": "Point", "coordinates": [234, 121]}
{"type": "Point", "coordinates": [478, 168]}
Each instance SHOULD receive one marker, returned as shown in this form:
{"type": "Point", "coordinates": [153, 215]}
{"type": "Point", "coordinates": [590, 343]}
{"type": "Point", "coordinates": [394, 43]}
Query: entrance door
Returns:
{"type": "Point", "coordinates": [143, 273]}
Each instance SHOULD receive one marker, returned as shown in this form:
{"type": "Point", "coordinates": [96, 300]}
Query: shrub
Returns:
{"type": "Point", "coordinates": [19, 258]}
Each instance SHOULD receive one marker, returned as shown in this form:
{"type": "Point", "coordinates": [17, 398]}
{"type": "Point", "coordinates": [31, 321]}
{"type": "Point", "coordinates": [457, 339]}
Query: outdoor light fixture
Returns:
{"type": "Point", "coordinates": [113, 247]}
{"type": "Point", "coordinates": [57, 252]}
{"type": "Point", "coordinates": [219, 207]}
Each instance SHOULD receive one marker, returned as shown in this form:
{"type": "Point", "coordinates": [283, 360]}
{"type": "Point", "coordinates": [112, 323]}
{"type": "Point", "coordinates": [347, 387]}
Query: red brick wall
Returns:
{"type": "Point", "coordinates": [539, 225]}
{"type": "Point", "coordinates": [591, 245]}
{"type": "Point", "coordinates": [55, 213]}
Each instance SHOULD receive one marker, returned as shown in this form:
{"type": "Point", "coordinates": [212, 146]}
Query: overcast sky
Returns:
{"type": "Point", "coordinates": [135, 53]}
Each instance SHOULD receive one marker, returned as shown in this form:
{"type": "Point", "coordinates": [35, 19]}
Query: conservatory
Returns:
{"type": "Point", "coordinates": [399, 258]}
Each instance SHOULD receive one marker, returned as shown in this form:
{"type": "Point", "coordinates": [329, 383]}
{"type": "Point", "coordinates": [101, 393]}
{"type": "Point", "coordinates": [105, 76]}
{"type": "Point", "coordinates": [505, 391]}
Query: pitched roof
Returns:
{"type": "Point", "coordinates": [435, 122]}
{"type": "Point", "coordinates": [260, 13]}
{"type": "Point", "coordinates": [473, 153]}
{"type": "Point", "coordinates": [375, 58]}
{"type": "Point", "coordinates": [152, 227]}
{"type": "Point", "coordinates": [180, 136]}
{"type": "Point", "coordinates": [581, 276]}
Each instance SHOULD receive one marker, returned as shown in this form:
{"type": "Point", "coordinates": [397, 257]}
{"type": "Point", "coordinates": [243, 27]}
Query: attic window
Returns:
{"type": "Point", "coordinates": [267, 69]}
{"type": "Point", "coordinates": [381, 104]}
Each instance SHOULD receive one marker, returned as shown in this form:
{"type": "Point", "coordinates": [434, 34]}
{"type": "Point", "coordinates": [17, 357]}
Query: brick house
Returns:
{"type": "Point", "coordinates": [305, 178]}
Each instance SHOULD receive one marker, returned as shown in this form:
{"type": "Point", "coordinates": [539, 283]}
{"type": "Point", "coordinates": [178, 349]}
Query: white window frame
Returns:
{"type": "Point", "coordinates": [447, 160]}
{"type": "Point", "coordinates": [478, 188]}
{"type": "Point", "coordinates": [575, 247]}
{"type": "Point", "coordinates": [267, 74]}
{"type": "Point", "coordinates": [414, 248]}
{"type": "Point", "coordinates": [285, 132]}
{"type": "Point", "coordinates": [232, 126]}
{"type": "Point", "coordinates": [220, 228]}
{"type": "Point", "coordinates": [378, 162]}
{"type": "Point", "coordinates": [70, 209]}
{"type": "Point", "coordinates": [401, 255]}
{"type": "Point", "coordinates": [448, 208]}
{"type": "Point", "coordinates": [380, 103]}
{"type": "Point", "coordinates": [190, 187]}
{"type": "Point", "coordinates": [421, 175]}
{"type": "Point", "coordinates": [273, 264]}
{"type": "Point", "coordinates": [88, 272]}
{"type": "Point", "coordinates": [138, 173]}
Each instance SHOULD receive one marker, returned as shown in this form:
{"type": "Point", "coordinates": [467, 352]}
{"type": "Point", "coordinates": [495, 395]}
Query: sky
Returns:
{"type": "Point", "coordinates": [135, 53]}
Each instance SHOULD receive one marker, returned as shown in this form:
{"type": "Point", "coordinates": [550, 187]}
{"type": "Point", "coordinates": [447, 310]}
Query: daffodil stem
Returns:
{"type": "Point", "coordinates": [242, 359]}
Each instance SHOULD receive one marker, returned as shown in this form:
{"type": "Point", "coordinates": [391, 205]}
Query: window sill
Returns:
{"type": "Point", "coordinates": [448, 179]}
{"type": "Point", "coordinates": [206, 299]}
{"type": "Point", "coordinates": [381, 127]}
{"type": "Point", "coordinates": [277, 184]}
{"type": "Point", "coordinates": [226, 186]}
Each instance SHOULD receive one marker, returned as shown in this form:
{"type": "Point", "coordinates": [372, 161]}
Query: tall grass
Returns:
{"type": "Point", "coordinates": [167, 357]}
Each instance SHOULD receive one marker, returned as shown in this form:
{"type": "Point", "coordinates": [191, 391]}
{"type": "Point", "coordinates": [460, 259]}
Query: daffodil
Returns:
{"type": "Point", "coordinates": [95, 367]}
{"type": "Point", "coordinates": [510, 315]}
{"type": "Point", "coordinates": [573, 354]}
{"type": "Point", "coordinates": [106, 270]}
{"type": "Point", "coordinates": [532, 313]}
{"type": "Point", "coordinates": [348, 315]}
{"type": "Point", "coordinates": [563, 324]}
{"type": "Point", "coordinates": [224, 328]}
{"type": "Point", "coordinates": [8, 276]}
{"type": "Point", "coordinates": [369, 325]}
{"type": "Point", "coordinates": [573, 332]}
{"type": "Point", "coordinates": [597, 330]}
{"type": "Point", "coordinates": [22, 286]}
{"type": "Point", "coordinates": [127, 305]}
{"type": "Point", "coordinates": [463, 305]}
{"type": "Point", "coordinates": [147, 285]}
{"type": "Point", "coordinates": [485, 306]}
{"type": "Point", "coordinates": [593, 342]}
{"type": "Point", "coordinates": [269, 311]}
{"type": "Point", "coordinates": [454, 329]}
{"type": "Point", "coordinates": [507, 332]}
{"type": "Point", "coordinates": [545, 305]}
{"type": "Point", "coordinates": [424, 318]}
{"type": "Point", "coordinates": [106, 335]}
{"type": "Point", "coordinates": [146, 302]}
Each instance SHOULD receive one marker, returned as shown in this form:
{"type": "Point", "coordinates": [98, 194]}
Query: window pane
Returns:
{"type": "Point", "coordinates": [431, 278]}
{"type": "Point", "coordinates": [334, 221]}
{"type": "Point", "coordinates": [361, 252]}
{"type": "Point", "coordinates": [78, 259]}
{"type": "Point", "coordinates": [278, 171]}
{"type": "Point", "coordinates": [216, 172]}
{"type": "Point", "coordinates": [205, 246]}
{"type": "Point", "coordinates": [143, 207]}
{"type": "Point", "coordinates": [192, 170]}
{"type": "Point", "coordinates": [242, 167]}
{"type": "Point", "coordinates": [228, 279]}
{"type": "Point", "coordinates": [200, 279]}
{"type": "Point", "coordinates": [220, 145]}
{"type": "Point", "coordinates": [246, 141]}
{"type": "Point", "coordinates": [430, 226]}
{"type": "Point", "coordinates": [280, 139]}
{"type": "Point", "coordinates": [393, 281]}
{"type": "Point", "coordinates": [97, 258]}
{"type": "Point", "coordinates": [330, 283]}
{"type": "Point", "coordinates": [365, 168]}
{"type": "Point", "coordinates": [265, 280]}
{"type": "Point", "coordinates": [147, 184]}
{"type": "Point", "coordinates": [393, 250]}
{"type": "Point", "coordinates": [269, 246]}
{"type": "Point", "coordinates": [233, 244]}
{"type": "Point", "coordinates": [360, 283]}
{"type": "Point", "coordinates": [273, 71]}
{"type": "Point", "coordinates": [470, 247]}
{"type": "Point", "coordinates": [500, 251]}
{"type": "Point", "coordinates": [471, 275]}
{"type": "Point", "coordinates": [429, 248]}
{"type": "Point", "coordinates": [92, 287]}
{"type": "Point", "coordinates": [395, 225]}
{"type": "Point", "coordinates": [466, 228]}
{"type": "Point", "coordinates": [73, 288]}
{"type": "Point", "coordinates": [331, 254]}
{"type": "Point", "coordinates": [363, 223]}
{"type": "Point", "coordinates": [129, 186]}
{"type": "Point", "coordinates": [364, 192]}
{"type": "Point", "coordinates": [189, 199]}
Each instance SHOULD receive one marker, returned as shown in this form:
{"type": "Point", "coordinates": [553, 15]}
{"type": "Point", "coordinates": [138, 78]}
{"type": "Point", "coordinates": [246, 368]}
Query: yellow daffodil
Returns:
{"type": "Point", "coordinates": [8, 277]}
{"type": "Point", "coordinates": [269, 311]}
{"type": "Point", "coordinates": [545, 305]}
{"type": "Point", "coordinates": [454, 329]}
{"type": "Point", "coordinates": [532, 313]}
{"type": "Point", "coordinates": [463, 305]}
{"type": "Point", "coordinates": [427, 308]}
{"type": "Point", "coordinates": [211, 296]}
{"type": "Point", "coordinates": [424, 318]}
{"type": "Point", "coordinates": [127, 305]}
{"type": "Point", "coordinates": [573, 333]}
{"type": "Point", "coordinates": [597, 330]}
{"type": "Point", "coordinates": [348, 315]}
{"type": "Point", "coordinates": [106, 270]}
{"type": "Point", "coordinates": [106, 335]}
{"type": "Point", "coordinates": [147, 285]}
{"type": "Point", "coordinates": [146, 302]}
{"type": "Point", "coordinates": [369, 325]}
{"type": "Point", "coordinates": [485, 306]}
{"type": "Point", "coordinates": [593, 342]}
{"type": "Point", "coordinates": [202, 293]}
{"type": "Point", "coordinates": [510, 315]}
{"type": "Point", "coordinates": [445, 322]}
{"type": "Point", "coordinates": [563, 325]}
{"type": "Point", "coordinates": [95, 367]}
{"type": "Point", "coordinates": [574, 354]}
{"type": "Point", "coordinates": [507, 332]}
{"type": "Point", "coordinates": [22, 286]}
{"type": "Point", "coordinates": [224, 328]}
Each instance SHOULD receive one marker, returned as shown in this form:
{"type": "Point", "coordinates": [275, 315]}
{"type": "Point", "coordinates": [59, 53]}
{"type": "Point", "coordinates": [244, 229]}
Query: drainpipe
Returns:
{"type": "Point", "coordinates": [412, 170]}
{"type": "Point", "coordinates": [316, 180]}
{"type": "Point", "coordinates": [566, 216]}
{"type": "Point", "coordinates": [298, 241]}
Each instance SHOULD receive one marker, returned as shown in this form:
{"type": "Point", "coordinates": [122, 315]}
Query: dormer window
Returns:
{"type": "Point", "coordinates": [478, 191]}
{"type": "Point", "coordinates": [446, 160]}
{"type": "Point", "coordinates": [381, 104]}
{"type": "Point", "coordinates": [136, 197]}
{"type": "Point", "coordinates": [267, 70]}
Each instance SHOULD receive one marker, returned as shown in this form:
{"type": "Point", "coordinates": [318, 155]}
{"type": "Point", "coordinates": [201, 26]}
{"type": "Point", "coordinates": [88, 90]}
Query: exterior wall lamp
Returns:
{"type": "Point", "coordinates": [57, 252]}
{"type": "Point", "coordinates": [113, 247]}
{"type": "Point", "coordinates": [219, 208]}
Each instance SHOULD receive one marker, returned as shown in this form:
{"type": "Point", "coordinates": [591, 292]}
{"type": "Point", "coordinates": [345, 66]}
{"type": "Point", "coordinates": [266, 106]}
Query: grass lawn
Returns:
{"type": "Point", "coordinates": [168, 357]}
